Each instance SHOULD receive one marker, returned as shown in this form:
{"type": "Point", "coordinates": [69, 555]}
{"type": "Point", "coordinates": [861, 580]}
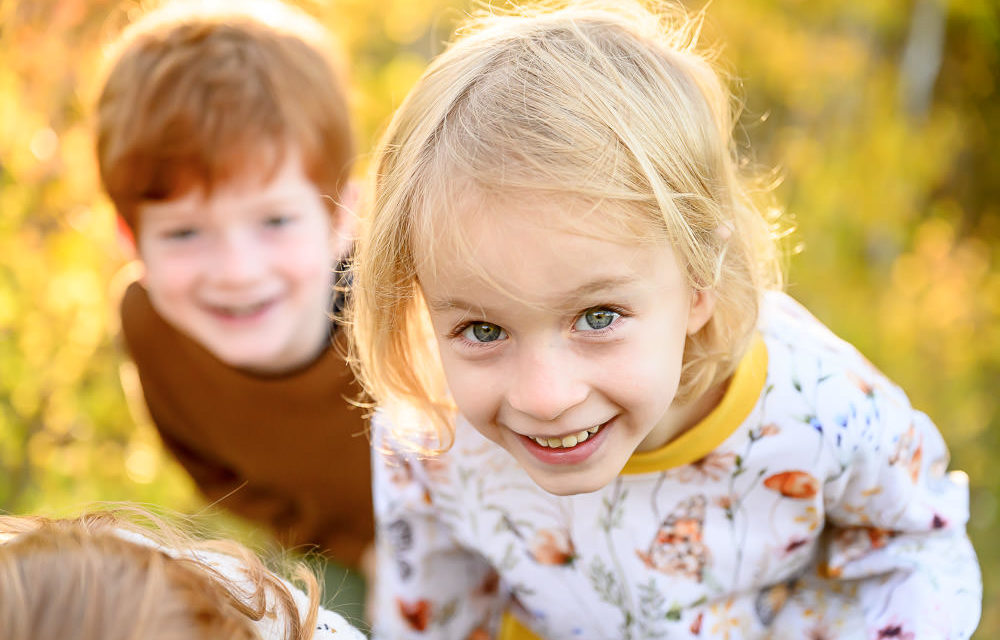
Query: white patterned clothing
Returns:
{"type": "Point", "coordinates": [812, 502]}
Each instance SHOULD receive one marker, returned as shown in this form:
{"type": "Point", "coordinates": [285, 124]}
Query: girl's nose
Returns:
{"type": "Point", "coordinates": [548, 382]}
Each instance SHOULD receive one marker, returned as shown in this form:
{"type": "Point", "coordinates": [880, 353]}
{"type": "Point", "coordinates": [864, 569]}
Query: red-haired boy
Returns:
{"type": "Point", "coordinates": [224, 143]}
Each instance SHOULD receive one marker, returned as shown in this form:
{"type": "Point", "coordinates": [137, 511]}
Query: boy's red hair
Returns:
{"type": "Point", "coordinates": [195, 97]}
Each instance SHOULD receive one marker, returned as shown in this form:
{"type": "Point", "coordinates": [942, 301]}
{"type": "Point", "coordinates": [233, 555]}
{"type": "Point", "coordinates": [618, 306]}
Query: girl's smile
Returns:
{"type": "Point", "coordinates": [571, 449]}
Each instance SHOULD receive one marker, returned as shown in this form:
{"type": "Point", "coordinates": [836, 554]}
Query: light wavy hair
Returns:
{"type": "Point", "coordinates": [615, 107]}
{"type": "Point", "coordinates": [127, 574]}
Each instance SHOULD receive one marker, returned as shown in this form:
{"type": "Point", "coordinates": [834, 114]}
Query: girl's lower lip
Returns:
{"type": "Point", "coordinates": [571, 455]}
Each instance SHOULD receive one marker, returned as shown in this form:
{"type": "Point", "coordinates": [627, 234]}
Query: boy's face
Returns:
{"type": "Point", "coordinates": [247, 272]}
{"type": "Point", "coordinates": [571, 340]}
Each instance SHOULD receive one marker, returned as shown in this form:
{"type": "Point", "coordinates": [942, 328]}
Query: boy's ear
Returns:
{"type": "Point", "coordinates": [130, 251]}
{"type": "Point", "coordinates": [126, 238]}
{"type": "Point", "coordinates": [702, 307]}
{"type": "Point", "coordinates": [344, 221]}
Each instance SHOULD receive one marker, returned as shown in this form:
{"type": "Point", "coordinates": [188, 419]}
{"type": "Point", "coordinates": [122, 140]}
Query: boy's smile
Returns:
{"type": "Point", "coordinates": [247, 272]}
{"type": "Point", "coordinates": [565, 349]}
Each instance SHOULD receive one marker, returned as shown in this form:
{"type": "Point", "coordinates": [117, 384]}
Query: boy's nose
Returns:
{"type": "Point", "coordinates": [238, 259]}
{"type": "Point", "coordinates": [547, 383]}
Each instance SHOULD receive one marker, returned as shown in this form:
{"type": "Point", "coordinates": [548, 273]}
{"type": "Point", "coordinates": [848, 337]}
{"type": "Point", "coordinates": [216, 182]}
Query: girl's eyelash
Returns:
{"type": "Point", "coordinates": [460, 329]}
{"type": "Point", "coordinates": [604, 307]}
{"type": "Point", "coordinates": [602, 332]}
{"type": "Point", "coordinates": [456, 332]}
{"type": "Point", "coordinates": [457, 335]}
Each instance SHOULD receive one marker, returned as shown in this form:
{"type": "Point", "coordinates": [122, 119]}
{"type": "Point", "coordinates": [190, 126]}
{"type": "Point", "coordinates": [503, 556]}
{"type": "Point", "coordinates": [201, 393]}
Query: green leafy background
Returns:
{"type": "Point", "coordinates": [880, 117]}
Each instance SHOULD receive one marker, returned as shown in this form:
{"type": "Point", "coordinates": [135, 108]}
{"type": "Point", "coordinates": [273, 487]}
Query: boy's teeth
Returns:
{"type": "Point", "coordinates": [568, 441]}
{"type": "Point", "coordinates": [245, 310]}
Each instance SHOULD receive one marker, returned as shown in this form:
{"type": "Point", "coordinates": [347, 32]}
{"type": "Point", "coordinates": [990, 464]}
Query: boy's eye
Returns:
{"type": "Point", "coordinates": [595, 319]}
{"type": "Point", "coordinates": [483, 332]}
{"type": "Point", "coordinates": [277, 220]}
{"type": "Point", "coordinates": [181, 233]}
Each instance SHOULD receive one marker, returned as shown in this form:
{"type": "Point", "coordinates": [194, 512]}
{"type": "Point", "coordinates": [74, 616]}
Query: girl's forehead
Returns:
{"type": "Point", "coordinates": [457, 217]}
{"type": "Point", "coordinates": [536, 250]}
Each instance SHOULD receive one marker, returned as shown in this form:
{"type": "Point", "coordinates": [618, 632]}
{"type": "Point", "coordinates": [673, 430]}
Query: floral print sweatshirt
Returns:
{"type": "Point", "coordinates": [812, 502]}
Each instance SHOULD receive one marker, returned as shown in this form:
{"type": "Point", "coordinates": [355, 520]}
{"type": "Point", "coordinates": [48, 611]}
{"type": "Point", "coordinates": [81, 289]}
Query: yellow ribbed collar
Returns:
{"type": "Point", "coordinates": [701, 439]}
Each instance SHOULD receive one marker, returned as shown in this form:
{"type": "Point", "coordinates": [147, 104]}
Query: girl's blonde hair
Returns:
{"type": "Point", "coordinates": [102, 576]}
{"type": "Point", "coordinates": [611, 106]}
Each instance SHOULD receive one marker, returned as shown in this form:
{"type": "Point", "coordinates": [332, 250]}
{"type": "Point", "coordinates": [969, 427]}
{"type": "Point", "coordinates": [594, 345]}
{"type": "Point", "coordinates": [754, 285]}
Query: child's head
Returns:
{"type": "Point", "coordinates": [103, 577]}
{"type": "Point", "coordinates": [224, 143]}
{"type": "Point", "coordinates": [561, 190]}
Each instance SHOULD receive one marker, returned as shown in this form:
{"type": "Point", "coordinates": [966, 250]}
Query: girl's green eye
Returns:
{"type": "Point", "coordinates": [595, 319]}
{"type": "Point", "coordinates": [483, 332]}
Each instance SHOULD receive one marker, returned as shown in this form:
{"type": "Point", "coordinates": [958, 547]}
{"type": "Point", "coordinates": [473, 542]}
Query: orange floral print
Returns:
{"type": "Point", "coordinates": [793, 484]}
{"type": "Point", "coordinates": [552, 547]}
{"type": "Point", "coordinates": [416, 614]}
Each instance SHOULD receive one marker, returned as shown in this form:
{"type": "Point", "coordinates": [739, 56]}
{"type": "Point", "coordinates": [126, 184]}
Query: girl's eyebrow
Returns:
{"type": "Point", "coordinates": [588, 290]}
{"type": "Point", "coordinates": [439, 304]}
{"type": "Point", "coordinates": [600, 286]}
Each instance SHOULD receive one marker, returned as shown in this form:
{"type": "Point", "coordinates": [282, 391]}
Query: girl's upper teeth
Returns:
{"type": "Point", "coordinates": [567, 441]}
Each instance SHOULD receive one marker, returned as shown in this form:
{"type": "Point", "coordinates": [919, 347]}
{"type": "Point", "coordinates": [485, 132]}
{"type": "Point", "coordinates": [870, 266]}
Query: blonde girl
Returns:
{"type": "Point", "coordinates": [127, 574]}
{"type": "Point", "coordinates": [599, 413]}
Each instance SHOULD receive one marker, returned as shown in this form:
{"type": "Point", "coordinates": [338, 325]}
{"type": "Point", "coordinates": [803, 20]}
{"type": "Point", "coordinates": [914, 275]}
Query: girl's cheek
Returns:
{"type": "Point", "coordinates": [471, 390]}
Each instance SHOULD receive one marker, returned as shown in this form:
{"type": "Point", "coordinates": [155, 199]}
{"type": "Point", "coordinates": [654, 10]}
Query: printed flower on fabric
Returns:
{"type": "Point", "coordinates": [678, 548]}
{"type": "Point", "coordinates": [490, 583]}
{"type": "Point", "coordinates": [895, 631]}
{"type": "Point", "coordinates": [436, 468]}
{"type": "Point", "coordinates": [728, 624]}
{"type": "Point", "coordinates": [800, 485]}
{"type": "Point", "coordinates": [771, 601]}
{"type": "Point", "coordinates": [417, 615]}
{"type": "Point", "coordinates": [909, 453]}
{"type": "Point", "coordinates": [863, 385]}
{"type": "Point", "coordinates": [553, 547]}
{"type": "Point", "coordinates": [853, 543]}
{"type": "Point", "coordinates": [712, 467]}
{"type": "Point", "coordinates": [400, 469]}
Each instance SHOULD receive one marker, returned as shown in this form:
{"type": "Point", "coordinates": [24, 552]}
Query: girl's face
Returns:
{"type": "Point", "coordinates": [568, 353]}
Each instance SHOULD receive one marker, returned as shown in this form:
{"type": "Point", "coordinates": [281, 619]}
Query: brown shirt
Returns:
{"type": "Point", "coordinates": [285, 451]}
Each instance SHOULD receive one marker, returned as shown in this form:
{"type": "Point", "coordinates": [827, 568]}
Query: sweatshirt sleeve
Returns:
{"type": "Point", "coordinates": [220, 484]}
{"type": "Point", "coordinates": [896, 561]}
{"type": "Point", "coordinates": [428, 585]}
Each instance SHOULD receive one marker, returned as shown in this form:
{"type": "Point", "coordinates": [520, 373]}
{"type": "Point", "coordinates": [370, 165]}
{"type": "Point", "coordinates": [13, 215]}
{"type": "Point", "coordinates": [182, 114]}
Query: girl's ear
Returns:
{"type": "Point", "coordinates": [344, 222]}
{"type": "Point", "coordinates": [702, 307]}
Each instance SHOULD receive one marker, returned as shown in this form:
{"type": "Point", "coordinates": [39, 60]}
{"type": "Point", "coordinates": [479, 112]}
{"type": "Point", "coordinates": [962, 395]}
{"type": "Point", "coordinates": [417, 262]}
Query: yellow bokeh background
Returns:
{"type": "Point", "coordinates": [880, 120]}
